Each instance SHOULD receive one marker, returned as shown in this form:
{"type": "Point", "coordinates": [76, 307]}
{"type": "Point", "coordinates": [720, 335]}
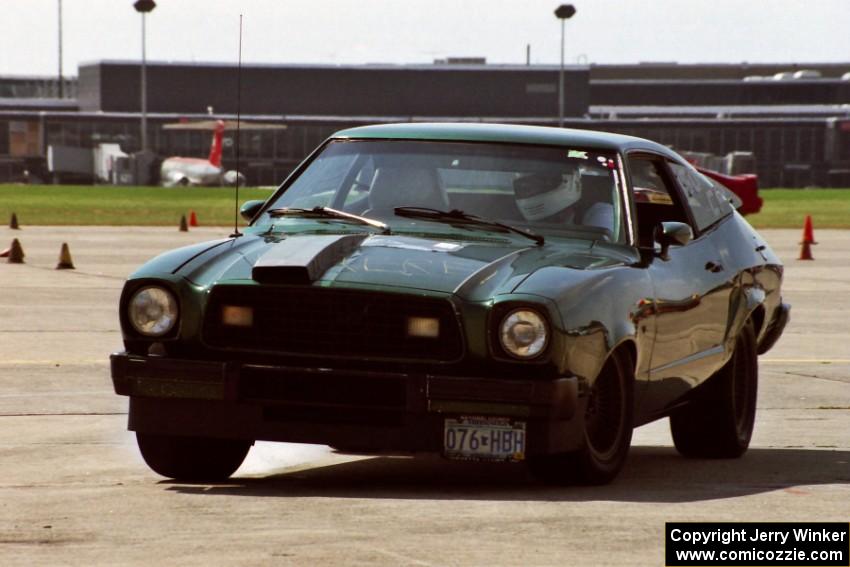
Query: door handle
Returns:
{"type": "Point", "coordinates": [713, 268]}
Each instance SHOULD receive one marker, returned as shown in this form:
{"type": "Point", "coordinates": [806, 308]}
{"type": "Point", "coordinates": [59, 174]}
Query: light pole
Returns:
{"type": "Point", "coordinates": [143, 7]}
{"type": "Point", "coordinates": [61, 80]}
{"type": "Point", "coordinates": [563, 13]}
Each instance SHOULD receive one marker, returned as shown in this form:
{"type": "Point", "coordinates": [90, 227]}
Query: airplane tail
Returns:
{"type": "Point", "coordinates": [217, 144]}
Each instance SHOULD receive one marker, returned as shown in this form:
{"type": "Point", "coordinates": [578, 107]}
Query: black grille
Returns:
{"type": "Point", "coordinates": [322, 321]}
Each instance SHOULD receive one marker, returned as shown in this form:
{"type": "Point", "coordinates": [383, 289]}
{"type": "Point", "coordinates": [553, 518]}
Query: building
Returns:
{"type": "Point", "coordinates": [798, 128]}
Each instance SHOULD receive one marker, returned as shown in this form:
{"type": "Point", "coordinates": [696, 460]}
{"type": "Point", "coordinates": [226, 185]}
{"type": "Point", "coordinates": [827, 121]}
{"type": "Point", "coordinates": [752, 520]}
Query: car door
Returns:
{"type": "Point", "coordinates": [691, 286]}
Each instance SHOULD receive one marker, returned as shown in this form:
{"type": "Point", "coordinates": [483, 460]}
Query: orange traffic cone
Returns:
{"type": "Point", "coordinates": [808, 231]}
{"type": "Point", "coordinates": [16, 253]}
{"type": "Point", "coordinates": [183, 226]}
{"type": "Point", "coordinates": [65, 261]}
{"type": "Point", "coordinates": [193, 219]}
{"type": "Point", "coordinates": [808, 240]}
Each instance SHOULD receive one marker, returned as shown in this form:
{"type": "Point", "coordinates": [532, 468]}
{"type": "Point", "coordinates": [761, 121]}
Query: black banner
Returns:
{"type": "Point", "coordinates": [767, 544]}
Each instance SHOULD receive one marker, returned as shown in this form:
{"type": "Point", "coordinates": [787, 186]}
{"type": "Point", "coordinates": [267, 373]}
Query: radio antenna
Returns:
{"type": "Point", "coordinates": [236, 232]}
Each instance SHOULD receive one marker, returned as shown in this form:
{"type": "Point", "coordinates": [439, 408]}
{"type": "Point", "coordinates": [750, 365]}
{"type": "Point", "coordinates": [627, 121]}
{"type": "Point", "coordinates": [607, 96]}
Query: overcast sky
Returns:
{"type": "Point", "coordinates": [418, 31]}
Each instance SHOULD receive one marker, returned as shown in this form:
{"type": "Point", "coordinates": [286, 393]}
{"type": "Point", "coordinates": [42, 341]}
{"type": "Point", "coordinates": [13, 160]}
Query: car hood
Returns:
{"type": "Point", "coordinates": [472, 269]}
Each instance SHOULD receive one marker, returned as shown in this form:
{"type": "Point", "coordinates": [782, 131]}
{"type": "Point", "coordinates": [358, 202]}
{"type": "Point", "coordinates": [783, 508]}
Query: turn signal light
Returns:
{"type": "Point", "coordinates": [426, 327]}
{"type": "Point", "coordinates": [237, 316]}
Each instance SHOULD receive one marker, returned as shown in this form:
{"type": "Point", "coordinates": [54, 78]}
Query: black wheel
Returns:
{"type": "Point", "coordinates": [718, 423]}
{"type": "Point", "coordinates": [608, 425]}
{"type": "Point", "coordinates": [192, 458]}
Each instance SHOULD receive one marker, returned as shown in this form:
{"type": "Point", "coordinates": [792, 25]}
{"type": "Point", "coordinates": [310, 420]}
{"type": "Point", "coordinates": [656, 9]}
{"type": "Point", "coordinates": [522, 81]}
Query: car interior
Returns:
{"type": "Point", "coordinates": [656, 200]}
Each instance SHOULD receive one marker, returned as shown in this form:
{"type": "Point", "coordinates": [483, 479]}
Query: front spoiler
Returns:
{"type": "Point", "coordinates": [358, 410]}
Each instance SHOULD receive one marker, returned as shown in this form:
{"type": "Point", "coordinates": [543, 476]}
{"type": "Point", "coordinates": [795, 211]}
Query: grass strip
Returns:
{"type": "Point", "coordinates": [160, 206]}
{"type": "Point", "coordinates": [787, 208]}
{"type": "Point", "coordinates": [119, 206]}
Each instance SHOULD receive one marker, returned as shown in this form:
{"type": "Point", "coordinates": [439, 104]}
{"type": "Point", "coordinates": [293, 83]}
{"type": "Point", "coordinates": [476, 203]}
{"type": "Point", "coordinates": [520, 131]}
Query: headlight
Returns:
{"type": "Point", "coordinates": [152, 311]}
{"type": "Point", "coordinates": [523, 333]}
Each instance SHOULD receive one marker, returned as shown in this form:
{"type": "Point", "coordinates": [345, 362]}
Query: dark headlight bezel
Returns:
{"type": "Point", "coordinates": [499, 313]}
{"type": "Point", "coordinates": [127, 323]}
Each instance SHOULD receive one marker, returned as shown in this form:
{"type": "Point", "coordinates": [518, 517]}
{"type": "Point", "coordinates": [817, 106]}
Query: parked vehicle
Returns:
{"type": "Point", "coordinates": [194, 171]}
{"type": "Point", "coordinates": [744, 186]}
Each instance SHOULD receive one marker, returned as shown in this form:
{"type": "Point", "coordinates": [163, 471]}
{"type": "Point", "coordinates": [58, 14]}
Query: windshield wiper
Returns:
{"type": "Point", "coordinates": [329, 213]}
{"type": "Point", "coordinates": [460, 216]}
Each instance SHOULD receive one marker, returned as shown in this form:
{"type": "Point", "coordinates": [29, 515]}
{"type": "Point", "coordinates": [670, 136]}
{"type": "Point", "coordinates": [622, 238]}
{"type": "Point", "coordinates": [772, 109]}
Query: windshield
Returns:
{"type": "Point", "coordinates": [542, 189]}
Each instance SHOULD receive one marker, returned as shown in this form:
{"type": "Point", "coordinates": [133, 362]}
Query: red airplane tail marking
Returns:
{"type": "Point", "coordinates": [217, 144]}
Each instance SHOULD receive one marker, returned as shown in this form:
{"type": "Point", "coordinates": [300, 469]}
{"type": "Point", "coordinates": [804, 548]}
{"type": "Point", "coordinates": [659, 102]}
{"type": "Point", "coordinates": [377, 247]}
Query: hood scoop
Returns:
{"type": "Point", "coordinates": [303, 259]}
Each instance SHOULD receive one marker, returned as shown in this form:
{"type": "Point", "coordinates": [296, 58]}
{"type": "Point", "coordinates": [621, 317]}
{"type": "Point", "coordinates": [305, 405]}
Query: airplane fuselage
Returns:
{"type": "Point", "coordinates": [189, 171]}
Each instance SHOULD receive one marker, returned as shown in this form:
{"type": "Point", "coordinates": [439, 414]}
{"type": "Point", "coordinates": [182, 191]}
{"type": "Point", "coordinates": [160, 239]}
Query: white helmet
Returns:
{"type": "Point", "coordinates": [541, 195]}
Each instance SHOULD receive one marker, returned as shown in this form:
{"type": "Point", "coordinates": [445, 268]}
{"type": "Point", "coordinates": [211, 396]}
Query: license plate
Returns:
{"type": "Point", "coordinates": [484, 439]}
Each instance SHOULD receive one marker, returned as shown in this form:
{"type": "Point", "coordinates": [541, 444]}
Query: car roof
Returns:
{"type": "Point", "coordinates": [502, 133]}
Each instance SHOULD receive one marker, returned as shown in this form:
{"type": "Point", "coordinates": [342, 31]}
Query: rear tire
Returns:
{"type": "Point", "coordinates": [608, 426]}
{"type": "Point", "coordinates": [192, 458]}
{"type": "Point", "coordinates": [718, 423]}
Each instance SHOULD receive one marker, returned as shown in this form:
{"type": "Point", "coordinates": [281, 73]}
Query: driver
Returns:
{"type": "Point", "coordinates": [547, 197]}
{"type": "Point", "coordinates": [556, 197]}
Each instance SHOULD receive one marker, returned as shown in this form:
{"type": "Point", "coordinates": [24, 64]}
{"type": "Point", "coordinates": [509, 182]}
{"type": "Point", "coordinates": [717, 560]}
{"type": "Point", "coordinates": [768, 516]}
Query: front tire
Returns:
{"type": "Point", "coordinates": [608, 426]}
{"type": "Point", "coordinates": [718, 423]}
{"type": "Point", "coordinates": [192, 458]}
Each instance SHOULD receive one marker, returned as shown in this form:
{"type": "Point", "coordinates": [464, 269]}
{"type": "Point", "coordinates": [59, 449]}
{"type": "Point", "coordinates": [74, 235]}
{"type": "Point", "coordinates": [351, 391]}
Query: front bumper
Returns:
{"type": "Point", "coordinates": [355, 410]}
{"type": "Point", "coordinates": [775, 328]}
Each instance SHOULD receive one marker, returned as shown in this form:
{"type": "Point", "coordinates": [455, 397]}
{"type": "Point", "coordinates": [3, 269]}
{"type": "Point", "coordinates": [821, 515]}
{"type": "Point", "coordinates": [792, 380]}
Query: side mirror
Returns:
{"type": "Point", "coordinates": [670, 233]}
{"type": "Point", "coordinates": [249, 209]}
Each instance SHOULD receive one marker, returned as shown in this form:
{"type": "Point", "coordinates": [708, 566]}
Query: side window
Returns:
{"type": "Point", "coordinates": [708, 203]}
{"type": "Point", "coordinates": [648, 182]}
{"type": "Point", "coordinates": [655, 197]}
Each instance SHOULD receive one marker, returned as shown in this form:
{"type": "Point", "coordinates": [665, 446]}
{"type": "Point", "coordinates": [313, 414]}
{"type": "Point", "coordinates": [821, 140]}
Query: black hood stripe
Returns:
{"type": "Point", "coordinates": [303, 260]}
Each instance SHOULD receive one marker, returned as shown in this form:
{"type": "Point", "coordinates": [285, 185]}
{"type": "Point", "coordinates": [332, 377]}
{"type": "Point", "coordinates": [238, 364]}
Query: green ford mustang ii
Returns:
{"type": "Point", "coordinates": [485, 292]}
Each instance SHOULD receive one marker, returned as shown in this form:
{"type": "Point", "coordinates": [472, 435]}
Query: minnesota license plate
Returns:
{"type": "Point", "coordinates": [484, 439]}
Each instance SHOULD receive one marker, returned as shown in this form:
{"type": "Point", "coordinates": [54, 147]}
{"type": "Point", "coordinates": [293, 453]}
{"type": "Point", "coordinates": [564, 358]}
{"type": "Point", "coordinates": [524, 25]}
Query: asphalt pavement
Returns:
{"type": "Point", "coordinates": [74, 490]}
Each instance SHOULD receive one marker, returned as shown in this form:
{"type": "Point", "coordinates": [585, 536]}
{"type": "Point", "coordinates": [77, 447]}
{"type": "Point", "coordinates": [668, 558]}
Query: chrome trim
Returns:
{"type": "Point", "coordinates": [713, 351]}
{"type": "Point", "coordinates": [624, 194]}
